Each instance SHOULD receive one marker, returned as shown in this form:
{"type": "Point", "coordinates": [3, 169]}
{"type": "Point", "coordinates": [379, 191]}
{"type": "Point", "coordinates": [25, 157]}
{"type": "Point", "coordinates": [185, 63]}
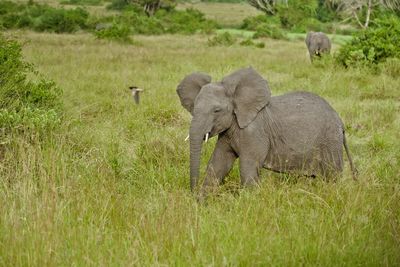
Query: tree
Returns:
{"type": "Point", "coordinates": [392, 4]}
{"type": "Point", "coordinates": [150, 7]}
{"type": "Point", "coordinates": [267, 6]}
{"type": "Point", "coordinates": [361, 10]}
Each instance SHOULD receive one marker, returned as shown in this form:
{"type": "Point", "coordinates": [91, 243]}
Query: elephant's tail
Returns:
{"type": "Point", "coordinates": [353, 169]}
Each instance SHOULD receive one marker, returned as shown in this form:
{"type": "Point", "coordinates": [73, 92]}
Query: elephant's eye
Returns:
{"type": "Point", "coordinates": [216, 110]}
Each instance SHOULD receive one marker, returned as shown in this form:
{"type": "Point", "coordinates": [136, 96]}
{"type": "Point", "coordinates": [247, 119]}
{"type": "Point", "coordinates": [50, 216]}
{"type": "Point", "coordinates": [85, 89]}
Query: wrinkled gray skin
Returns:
{"type": "Point", "coordinates": [297, 132]}
{"type": "Point", "coordinates": [317, 43]}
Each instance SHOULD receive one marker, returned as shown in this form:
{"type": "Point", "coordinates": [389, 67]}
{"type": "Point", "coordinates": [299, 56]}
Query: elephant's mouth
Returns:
{"type": "Point", "coordinates": [213, 132]}
{"type": "Point", "coordinates": [206, 137]}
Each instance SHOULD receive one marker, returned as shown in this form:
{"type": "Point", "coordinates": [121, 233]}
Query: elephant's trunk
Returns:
{"type": "Point", "coordinates": [197, 133]}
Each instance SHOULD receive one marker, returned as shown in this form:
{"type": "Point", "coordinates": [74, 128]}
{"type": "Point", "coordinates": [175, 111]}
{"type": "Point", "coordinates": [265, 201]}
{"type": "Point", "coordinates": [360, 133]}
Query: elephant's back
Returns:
{"type": "Point", "coordinates": [311, 128]}
{"type": "Point", "coordinates": [319, 40]}
{"type": "Point", "coordinates": [301, 106]}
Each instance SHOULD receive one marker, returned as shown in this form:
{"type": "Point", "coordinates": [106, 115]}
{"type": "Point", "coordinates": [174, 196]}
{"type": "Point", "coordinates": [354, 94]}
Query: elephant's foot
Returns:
{"type": "Point", "coordinates": [250, 182]}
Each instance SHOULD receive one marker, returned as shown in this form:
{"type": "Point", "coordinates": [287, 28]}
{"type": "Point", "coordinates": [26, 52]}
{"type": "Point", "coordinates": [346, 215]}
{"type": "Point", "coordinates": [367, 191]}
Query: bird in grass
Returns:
{"type": "Point", "coordinates": [136, 93]}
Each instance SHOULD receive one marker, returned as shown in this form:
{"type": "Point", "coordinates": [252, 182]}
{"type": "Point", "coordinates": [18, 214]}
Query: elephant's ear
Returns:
{"type": "Point", "coordinates": [250, 94]}
{"type": "Point", "coordinates": [189, 87]}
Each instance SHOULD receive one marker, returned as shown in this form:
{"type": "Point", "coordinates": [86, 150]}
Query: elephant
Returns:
{"type": "Point", "coordinates": [317, 43]}
{"type": "Point", "coordinates": [295, 133]}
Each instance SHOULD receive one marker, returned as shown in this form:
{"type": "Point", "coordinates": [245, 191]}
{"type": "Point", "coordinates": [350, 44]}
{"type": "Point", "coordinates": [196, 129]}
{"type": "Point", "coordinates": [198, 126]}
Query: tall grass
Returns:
{"type": "Point", "coordinates": [111, 187]}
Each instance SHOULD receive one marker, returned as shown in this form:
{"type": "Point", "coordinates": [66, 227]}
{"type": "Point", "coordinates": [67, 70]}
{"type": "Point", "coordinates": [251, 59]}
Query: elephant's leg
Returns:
{"type": "Point", "coordinates": [249, 171]}
{"type": "Point", "coordinates": [220, 164]}
{"type": "Point", "coordinates": [254, 146]}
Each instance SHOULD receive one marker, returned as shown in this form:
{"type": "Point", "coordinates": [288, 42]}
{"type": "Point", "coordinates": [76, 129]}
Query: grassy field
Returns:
{"type": "Point", "coordinates": [111, 187]}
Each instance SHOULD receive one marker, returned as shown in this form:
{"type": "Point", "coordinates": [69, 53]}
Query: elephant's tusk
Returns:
{"type": "Point", "coordinates": [206, 137]}
{"type": "Point", "coordinates": [187, 138]}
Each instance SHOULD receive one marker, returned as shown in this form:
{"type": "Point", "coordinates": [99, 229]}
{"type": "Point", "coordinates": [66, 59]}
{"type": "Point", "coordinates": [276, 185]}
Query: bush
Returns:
{"type": "Point", "coordinates": [139, 4]}
{"type": "Point", "coordinates": [131, 20]}
{"type": "Point", "coordinates": [42, 17]}
{"type": "Point", "coordinates": [118, 4]}
{"type": "Point", "coordinates": [224, 39]}
{"type": "Point", "coordinates": [61, 20]}
{"type": "Point", "coordinates": [187, 22]}
{"type": "Point", "coordinates": [264, 26]}
{"type": "Point", "coordinates": [372, 45]}
{"type": "Point", "coordinates": [8, 6]}
{"type": "Point", "coordinates": [224, 1]}
{"type": "Point", "coordinates": [313, 24]}
{"type": "Point", "coordinates": [293, 15]}
{"type": "Point", "coordinates": [25, 105]}
{"type": "Point", "coordinates": [249, 42]}
{"type": "Point", "coordinates": [116, 32]}
{"type": "Point", "coordinates": [137, 22]}
{"type": "Point", "coordinates": [253, 23]}
{"type": "Point", "coordinates": [82, 2]}
{"type": "Point", "coordinates": [327, 13]}
{"type": "Point", "coordinates": [175, 21]}
{"type": "Point", "coordinates": [270, 31]}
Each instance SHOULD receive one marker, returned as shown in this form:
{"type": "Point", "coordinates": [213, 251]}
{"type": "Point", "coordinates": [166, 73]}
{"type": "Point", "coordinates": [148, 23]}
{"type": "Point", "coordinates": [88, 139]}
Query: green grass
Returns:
{"type": "Point", "coordinates": [237, 32]}
{"type": "Point", "coordinates": [335, 38]}
{"type": "Point", "coordinates": [111, 187]}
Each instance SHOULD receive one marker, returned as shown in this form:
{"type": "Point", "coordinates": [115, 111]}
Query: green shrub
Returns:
{"type": "Point", "coordinates": [312, 24]}
{"type": "Point", "coordinates": [167, 5]}
{"type": "Point", "coordinates": [224, 39]}
{"type": "Point", "coordinates": [327, 11]}
{"type": "Point", "coordinates": [132, 19]}
{"type": "Point", "coordinates": [188, 22]}
{"type": "Point", "coordinates": [82, 2]}
{"type": "Point", "coordinates": [118, 4]}
{"type": "Point", "coordinates": [42, 17]}
{"type": "Point", "coordinates": [293, 15]}
{"type": "Point", "coordinates": [260, 45]}
{"type": "Point", "coordinates": [25, 105]}
{"type": "Point", "coordinates": [269, 31]}
{"type": "Point", "coordinates": [175, 21]}
{"type": "Point", "coordinates": [8, 14]}
{"type": "Point", "coordinates": [61, 20]}
{"type": "Point", "coordinates": [139, 23]}
{"type": "Point", "coordinates": [373, 45]}
{"type": "Point", "coordinates": [224, 1]}
{"type": "Point", "coordinates": [253, 23]}
{"type": "Point", "coordinates": [249, 42]}
{"type": "Point", "coordinates": [8, 7]}
{"type": "Point", "coordinates": [264, 26]}
{"type": "Point", "coordinates": [117, 32]}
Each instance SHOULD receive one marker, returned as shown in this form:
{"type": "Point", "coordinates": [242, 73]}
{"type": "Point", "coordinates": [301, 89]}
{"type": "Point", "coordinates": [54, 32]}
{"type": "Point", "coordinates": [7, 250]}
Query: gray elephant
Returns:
{"type": "Point", "coordinates": [318, 44]}
{"type": "Point", "coordinates": [297, 132]}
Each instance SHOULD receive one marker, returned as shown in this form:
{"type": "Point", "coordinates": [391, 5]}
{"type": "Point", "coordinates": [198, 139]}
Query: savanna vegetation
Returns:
{"type": "Point", "coordinates": [88, 178]}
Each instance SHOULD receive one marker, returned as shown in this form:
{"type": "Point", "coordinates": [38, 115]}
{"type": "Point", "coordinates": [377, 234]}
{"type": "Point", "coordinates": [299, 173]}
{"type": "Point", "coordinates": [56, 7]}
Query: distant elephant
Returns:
{"type": "Point", "coordinates": [318, 43]}
{"type": "Point", "coordinates": [297, 132]}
